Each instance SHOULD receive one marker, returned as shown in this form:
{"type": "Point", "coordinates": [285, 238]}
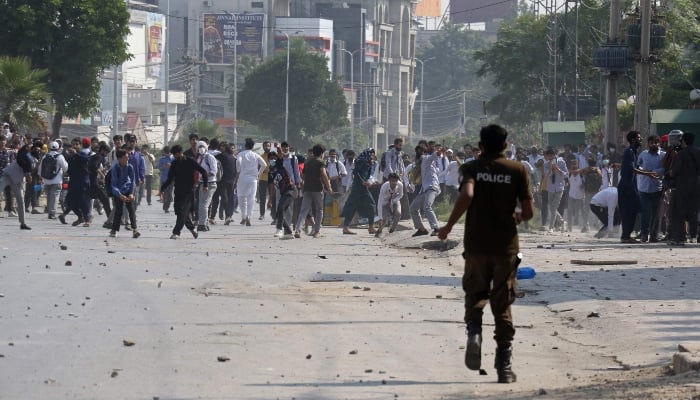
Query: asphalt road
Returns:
{"type": "Point", "coordinates": [238, 314]}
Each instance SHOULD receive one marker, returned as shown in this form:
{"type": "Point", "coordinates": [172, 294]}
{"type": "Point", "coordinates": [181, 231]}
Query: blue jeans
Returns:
{"type": "Point", "coordinates": [553, 200]}
{"type": "Point", "coordinates": [424, 201]}
{"type": "Point", "coordinates": [649, 204]}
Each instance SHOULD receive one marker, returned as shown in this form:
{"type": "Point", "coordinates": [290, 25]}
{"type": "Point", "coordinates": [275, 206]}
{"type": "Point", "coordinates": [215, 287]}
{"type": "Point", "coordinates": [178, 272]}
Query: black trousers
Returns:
{"type": "Point", "coordinates": [602, 214]}
{"type": "Point", "coordinates": [684, 208]}
{"type": "Point", "coordinates": [184, 202]}
{"type": "Point", "coordinates": [119, 210]}
{"type": "Point", "coordinates": [99, 194]}
{"type": "Point", "coordinates": [262, 196]}
{"type": "Point", "coordinates": [286, 200]}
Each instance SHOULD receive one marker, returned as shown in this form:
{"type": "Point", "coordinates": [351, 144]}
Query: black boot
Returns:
{"type": "Point", "coordinates": [472, 357]}
{"type": "Point", "coordinates": [503, 365]}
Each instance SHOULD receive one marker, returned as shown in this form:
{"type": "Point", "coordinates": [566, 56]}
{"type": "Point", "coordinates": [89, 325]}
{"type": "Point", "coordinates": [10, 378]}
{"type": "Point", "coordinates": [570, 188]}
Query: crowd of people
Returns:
{"type": "Point", "coordinates": [638, 196]}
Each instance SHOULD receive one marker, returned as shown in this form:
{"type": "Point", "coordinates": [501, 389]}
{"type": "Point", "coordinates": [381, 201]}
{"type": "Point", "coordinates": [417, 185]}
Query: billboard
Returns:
{"type": "Point", "coordinates": [428, 8]}
{"type": "Point", "coordinates": [154, 43]}
{"type": "Point", "coordinates": [224, 31]}
{"type": "Point", "coordinates": [473, 11]}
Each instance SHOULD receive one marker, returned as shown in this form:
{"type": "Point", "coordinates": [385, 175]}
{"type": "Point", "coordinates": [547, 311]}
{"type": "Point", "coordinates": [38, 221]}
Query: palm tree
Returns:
{"type": "Point", "coordinates": [23, 92]}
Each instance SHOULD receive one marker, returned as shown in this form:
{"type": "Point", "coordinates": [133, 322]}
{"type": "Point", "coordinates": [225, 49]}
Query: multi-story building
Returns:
{"type": "Point", "coordinates": [207, 36]}
{"type": "Point", "coordinates": [137, 102]}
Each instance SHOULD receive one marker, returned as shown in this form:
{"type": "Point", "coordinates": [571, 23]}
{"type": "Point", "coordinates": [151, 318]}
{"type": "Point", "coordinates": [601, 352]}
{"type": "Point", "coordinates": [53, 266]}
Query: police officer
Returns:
{"type": "Point", "coordinates": [490, 189]}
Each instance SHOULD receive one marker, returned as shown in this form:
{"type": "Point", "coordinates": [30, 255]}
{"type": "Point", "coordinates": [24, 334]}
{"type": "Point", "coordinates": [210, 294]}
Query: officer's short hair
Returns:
{"type": "Point", "coordinates": [493, 138]}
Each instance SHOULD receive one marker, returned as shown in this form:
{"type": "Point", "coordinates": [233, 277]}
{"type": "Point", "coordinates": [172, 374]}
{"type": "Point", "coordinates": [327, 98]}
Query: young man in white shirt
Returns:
{"type": "Point", "coordinates": [604, 206]}
{"type": "Point", "coordinates": [389, 206]}
{"type": "Point", "coordinates": [249, 166]}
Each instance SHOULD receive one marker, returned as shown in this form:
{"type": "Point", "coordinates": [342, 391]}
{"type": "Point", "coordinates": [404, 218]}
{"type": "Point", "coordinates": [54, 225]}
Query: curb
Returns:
{"type": "Point", "coordinates": [687, 359]}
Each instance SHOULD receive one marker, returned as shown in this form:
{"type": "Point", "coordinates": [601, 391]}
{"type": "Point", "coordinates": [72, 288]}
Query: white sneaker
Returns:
{"type": "Point", "coordinates": [279, 233]}
{"type": "Point", "coordinates": [174, 236]}
{"type": "Point", "coordinates": [287, 236]}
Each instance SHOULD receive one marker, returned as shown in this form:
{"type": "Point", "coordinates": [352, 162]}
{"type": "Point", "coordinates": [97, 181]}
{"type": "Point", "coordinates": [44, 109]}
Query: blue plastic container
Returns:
{"type": "Point", "coordinates": [526, 273]}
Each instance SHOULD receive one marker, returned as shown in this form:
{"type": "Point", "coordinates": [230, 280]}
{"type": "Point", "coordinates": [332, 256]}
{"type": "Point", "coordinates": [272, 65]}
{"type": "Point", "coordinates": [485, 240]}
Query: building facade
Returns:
{"type": "Point", "coordinates": [208, 37]}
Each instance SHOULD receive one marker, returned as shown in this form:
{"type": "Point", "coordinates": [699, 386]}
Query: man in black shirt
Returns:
{"type": "Point", "coordinates": [490, 189]}
{"type": "Point", "coordinates": [315, 180]}
{"type": "Point", "coordinates": [182, 174]}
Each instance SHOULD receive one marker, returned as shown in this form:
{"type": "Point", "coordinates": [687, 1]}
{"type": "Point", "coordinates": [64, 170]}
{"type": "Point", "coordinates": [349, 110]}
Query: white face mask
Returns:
{"type": "Point", "coordinates": [202, 150]}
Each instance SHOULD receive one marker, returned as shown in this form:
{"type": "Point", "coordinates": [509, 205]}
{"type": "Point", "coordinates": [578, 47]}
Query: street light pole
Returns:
{"type": "Point", "coordinates": [352, 103]}
{"type": "Point", "coordinates": [420, 131]}
{"type": "Point", "coordinates": [167, 74]}
{"type": "Point", "coordinates": [235, 76]}
{"type": "Point", "coordinates": [286, 91]}
{"type": "Point", "coordinates": [235, 79]}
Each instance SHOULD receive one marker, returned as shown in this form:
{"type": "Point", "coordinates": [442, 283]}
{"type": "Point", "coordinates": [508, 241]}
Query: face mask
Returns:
{"type": "Point", "coordinates": [202, 150]}
{"type": "Point", "coordinates": [332, 159]}
{"type": "Point", "coordinates": [612, 149]}
{"type": "Point", "coordinates": [273, 163]}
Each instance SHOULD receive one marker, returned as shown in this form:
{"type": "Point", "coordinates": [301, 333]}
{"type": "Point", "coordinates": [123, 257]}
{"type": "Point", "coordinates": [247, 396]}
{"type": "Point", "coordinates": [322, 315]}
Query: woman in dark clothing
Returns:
{"type": "Point", "coordinates": [360, 199]}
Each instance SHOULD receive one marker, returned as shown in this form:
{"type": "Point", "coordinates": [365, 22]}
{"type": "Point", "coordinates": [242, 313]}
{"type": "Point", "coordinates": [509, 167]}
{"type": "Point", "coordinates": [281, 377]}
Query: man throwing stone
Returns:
{"type": "Point", "coordinates": [490, 189]}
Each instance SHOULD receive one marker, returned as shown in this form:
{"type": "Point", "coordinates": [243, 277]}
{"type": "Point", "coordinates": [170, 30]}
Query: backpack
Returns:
{"type": "Point", "coordinates": [284, 182]}
{"type": "Point", "coordinates": [592, 181]}
{"type": "Point", "coordinates": [49, 167]}
{"type": "Point", "coordinates": [415, 174]}
{"type": "Point", "coordinates": [219, 169]}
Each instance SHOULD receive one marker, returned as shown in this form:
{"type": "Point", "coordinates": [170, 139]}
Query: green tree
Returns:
{"type": "Point", "coordinates": [677, 71]}
{"type": "Point", "coordinates": [520, 64]}
{"type": "Point", "coordinates": [74, 40]}
{"type": "Point", "coordinates": [450, 63]}
{"type": "Point", "coordinates": [517, 63]}
{"type": "Point", "coordinates": [22, 92]}
{"type": "Point", "coordinates": [449, 75]}
{"type": "Point", "coordinates": [204, 128]}
{"type": "Point", "coordinates": [316, 104]}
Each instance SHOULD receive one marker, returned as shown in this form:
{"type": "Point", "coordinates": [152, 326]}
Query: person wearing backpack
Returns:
{"type": "Point", "coordinates": [13, 176]}
{"type": "Point", "coordinates": [51, 170]}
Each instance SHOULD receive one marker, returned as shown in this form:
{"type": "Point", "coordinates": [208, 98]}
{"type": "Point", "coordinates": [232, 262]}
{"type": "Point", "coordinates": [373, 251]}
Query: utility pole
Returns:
{"type": "Point", "coordinates": [115, 106]}
{"type": "Point", "coordinates": [641, 102]}
{"type": "Point", "coordinates": [166, 84]}
{"type": "Point", "coordinates": [611, 79]}
{"type": "Point", "coordinates": [352, 98]}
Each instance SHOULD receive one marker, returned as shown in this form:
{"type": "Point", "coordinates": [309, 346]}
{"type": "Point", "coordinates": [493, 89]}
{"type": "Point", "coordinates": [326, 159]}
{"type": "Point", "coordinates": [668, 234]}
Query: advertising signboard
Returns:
{"type": "Point", "coordinates": [473, 11]}
{"type": "Point", "coordinates": [428, 8]}
{"type": "Point", "coordinates": [222, 32]}
{"type": "Point", "coordinates": [154, 44]}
